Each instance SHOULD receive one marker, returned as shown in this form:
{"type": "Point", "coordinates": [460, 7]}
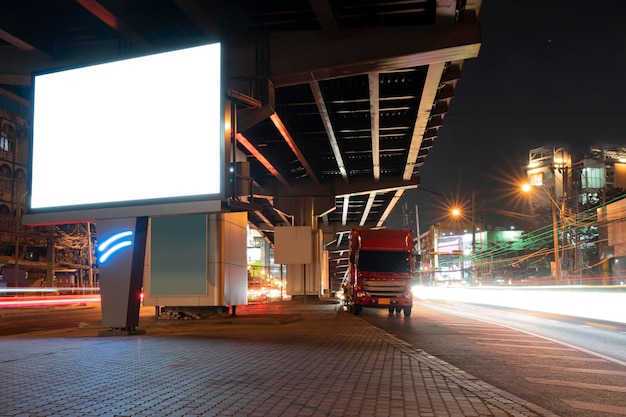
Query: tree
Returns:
{"type": "Point", "coordinates": [72, 244]}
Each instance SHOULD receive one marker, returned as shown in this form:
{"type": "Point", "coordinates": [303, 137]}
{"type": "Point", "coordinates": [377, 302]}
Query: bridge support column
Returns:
{"type": "Point", "coordinates": [301, 248]}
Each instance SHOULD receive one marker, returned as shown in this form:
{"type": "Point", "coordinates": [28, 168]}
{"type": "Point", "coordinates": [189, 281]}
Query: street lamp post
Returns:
{"type": "Point", "coordinates": [474, 270]}
{"type": "Point", "coordinates": [456, 212]}
{"type": "Point", "coordinates": [555, 236]}
{"type": "Point", "coordinates": [555, 231]}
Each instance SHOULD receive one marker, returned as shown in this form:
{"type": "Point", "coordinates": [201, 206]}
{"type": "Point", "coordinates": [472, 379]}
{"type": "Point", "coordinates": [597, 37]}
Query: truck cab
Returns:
{"type": "Point", "coordinates": [380, 270]}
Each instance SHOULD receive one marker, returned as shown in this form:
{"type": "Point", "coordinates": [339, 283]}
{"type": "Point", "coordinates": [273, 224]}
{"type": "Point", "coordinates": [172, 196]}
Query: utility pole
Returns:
{"type": "Point", "coordinates": [419, 242]}
{"type": "Point", "coordinates": [474, 270]}
{"type": "Point", "coordinates": [89, 254]}
{"type": "Point", "coordinates": [565, 258]}
{"type": "Point", "coordinates": [417, 230]}
{"type": "Point", "coordinates": [555, 235]}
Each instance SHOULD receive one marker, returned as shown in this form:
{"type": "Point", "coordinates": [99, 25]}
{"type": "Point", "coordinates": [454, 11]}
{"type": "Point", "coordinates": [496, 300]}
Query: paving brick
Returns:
{"type": "Point", "coordinates": [325, 363]}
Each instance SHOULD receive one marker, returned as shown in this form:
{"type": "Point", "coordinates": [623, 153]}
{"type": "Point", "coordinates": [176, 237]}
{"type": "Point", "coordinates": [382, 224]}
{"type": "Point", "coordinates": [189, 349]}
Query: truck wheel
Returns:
{"type": "Point", "coordinates": [356, 309]}
{"type": "Point", "coordinates": [407, 311]}
{"type": "Point", "coordinates": [398, 310]}
{"type": "Point", "coordinates": [391, 309]}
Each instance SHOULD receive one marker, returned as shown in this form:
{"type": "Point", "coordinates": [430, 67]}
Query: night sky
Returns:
{"type": "Point", "coordinates": [549, 73]}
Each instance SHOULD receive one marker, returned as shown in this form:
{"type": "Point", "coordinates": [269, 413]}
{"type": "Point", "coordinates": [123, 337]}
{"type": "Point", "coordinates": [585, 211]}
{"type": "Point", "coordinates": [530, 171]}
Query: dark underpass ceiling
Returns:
{"type": "Point", "coordinates": [351, 93]}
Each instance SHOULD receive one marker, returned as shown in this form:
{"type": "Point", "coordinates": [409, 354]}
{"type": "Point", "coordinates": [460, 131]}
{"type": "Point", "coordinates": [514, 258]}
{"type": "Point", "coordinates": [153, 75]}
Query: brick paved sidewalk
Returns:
{"type": "Point", "coordinates": [326, 363]}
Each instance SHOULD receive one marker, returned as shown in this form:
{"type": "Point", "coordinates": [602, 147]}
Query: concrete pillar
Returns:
{"type": "Point", "coordinates": [304, 279]}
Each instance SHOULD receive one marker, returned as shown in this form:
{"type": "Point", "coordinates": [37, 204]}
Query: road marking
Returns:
{"type": "Point", "coordinates": [565, 368]}
{"type": "Point", "coordinates": [569, 358]}
{"type": "Point", "coordinates": [456, 323]}
{"type": "Point", "coordinates": [491, 333]}
{"type": "Point", "coordinates": [573, 384]}
{"type": "Point", "coordinates": [510, 339]}
{"type": "Point", "coordinates": [527, 346]}
{"type": "Point", "coordinates": [472, 327]}
{"type": "Point", "coordinates": [580, 349]}
{"type": "Point", "coordinates": [596, 407]}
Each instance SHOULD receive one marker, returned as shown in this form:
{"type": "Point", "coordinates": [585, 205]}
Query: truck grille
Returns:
{"type": "Point", "coordinates": [385, 288]}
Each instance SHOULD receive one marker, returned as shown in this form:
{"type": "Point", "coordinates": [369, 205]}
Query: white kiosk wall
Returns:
{"type": "Point", "coordinates": [196, 260]}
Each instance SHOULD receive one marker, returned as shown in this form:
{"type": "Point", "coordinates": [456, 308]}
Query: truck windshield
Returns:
{"type": "Point", "coordinates": [382, 261]}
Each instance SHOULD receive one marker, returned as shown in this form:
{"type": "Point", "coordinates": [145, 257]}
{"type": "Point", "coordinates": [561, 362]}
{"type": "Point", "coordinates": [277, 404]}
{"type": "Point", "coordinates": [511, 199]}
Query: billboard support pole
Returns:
{"type": "Point", "coordinates": [121, 254]}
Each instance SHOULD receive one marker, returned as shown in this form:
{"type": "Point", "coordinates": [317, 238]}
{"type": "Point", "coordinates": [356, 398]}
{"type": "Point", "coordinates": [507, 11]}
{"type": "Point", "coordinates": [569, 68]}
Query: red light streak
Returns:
{"type": "Point", "coordinates": [11, 302]}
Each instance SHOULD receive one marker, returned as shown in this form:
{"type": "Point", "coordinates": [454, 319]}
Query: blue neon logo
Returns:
{"type": "Point", "coordinates": [109, 246]}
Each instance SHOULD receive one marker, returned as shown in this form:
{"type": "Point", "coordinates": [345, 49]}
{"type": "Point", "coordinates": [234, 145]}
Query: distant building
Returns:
{"type": "Point", "coordinates": [452, 253]}
{"type": "Point", "coordinates": [14, 153]}
{"type": "Point", "coordinates": [551, 170]}
{"type": "Point", "coordinates": [612, 225]}
{"type": "Point", "coordinates": [575, 179]}
{"type": "Point", "coordinates": [604, 167]}
{"type": "Point", "coordinates": [571, 184]}
{"type": "Point", "coordinates": [18, 244]}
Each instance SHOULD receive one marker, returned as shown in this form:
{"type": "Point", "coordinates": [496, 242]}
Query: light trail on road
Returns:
{"type": "Point", "coordinates": [41, 297]}
{"type": "Point", "coordinates": [599, 303]}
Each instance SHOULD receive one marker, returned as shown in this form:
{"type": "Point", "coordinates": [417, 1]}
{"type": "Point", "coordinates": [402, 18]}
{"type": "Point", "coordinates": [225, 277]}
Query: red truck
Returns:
{"type": "Point", "coordinates": [380, 270]}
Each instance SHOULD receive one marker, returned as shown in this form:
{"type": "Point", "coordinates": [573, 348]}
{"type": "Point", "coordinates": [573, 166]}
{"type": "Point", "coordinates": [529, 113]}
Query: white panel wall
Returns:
{"type": "Point", "coordinates": [235, 258]}
{"type": "Point", "coordinates": [225, 274]}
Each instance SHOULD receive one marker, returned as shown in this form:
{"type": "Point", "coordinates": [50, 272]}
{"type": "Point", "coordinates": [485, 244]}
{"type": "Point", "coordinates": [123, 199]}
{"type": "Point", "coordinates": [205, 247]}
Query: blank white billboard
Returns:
{"type": "Point", "coordinates": [138, 131]}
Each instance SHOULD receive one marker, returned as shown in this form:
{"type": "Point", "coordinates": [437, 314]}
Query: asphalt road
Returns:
{"type": "Point", "coordinates": [42, 318]}
{"type": "Point", "coordinates": [572, 367]}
